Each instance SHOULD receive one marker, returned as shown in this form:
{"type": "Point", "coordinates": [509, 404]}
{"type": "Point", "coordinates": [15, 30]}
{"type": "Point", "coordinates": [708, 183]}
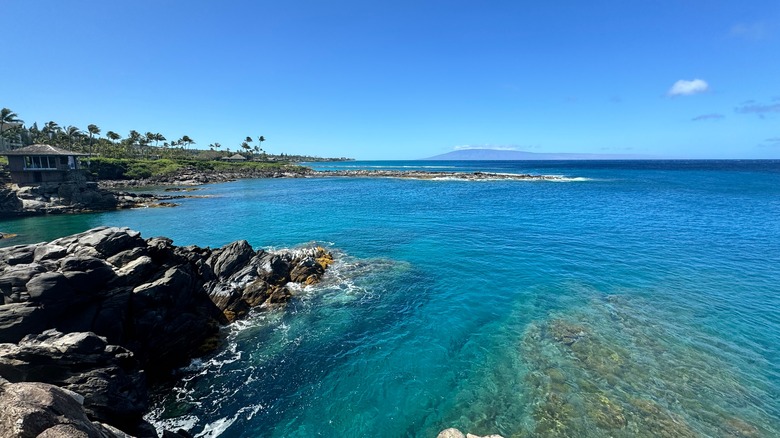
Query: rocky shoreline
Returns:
{"type": "Point", "coordinates": [70, 197]}
{"type": "Point", "coordinates": [417, 174]}
{"type": "Point", "coordinates": [195, 178]}
{"type": "Point", "coordinates": [82, 197]}
{"type": "Point", "coordinates": [89, 319]}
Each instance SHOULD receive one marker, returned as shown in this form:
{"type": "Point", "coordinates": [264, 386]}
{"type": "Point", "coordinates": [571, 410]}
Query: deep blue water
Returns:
{"type": "Point", "coordinates": [640, 299]}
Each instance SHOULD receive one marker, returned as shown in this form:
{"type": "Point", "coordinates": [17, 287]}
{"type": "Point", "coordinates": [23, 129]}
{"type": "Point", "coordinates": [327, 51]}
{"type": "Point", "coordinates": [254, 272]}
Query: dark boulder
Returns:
{"type": "Point", "coordinates": [13, 280]}
{"type": "Point", "coordinates": [121, 259]}
{"type": "Point", "coordinates": [17, 255]}
{"type": "Point", "coordinates": [85, 282]}
{"type": "Point", "coordinates": [49, 287]}
{"type": "Point", "coordinates": [307, 271]}
{"type": "Point", "coordinates": [81, 263]}
{"type": "Point", "coordinates": [138, 270]}
{"type": "Point", "coordinates": [273, 268]}
{"type": "Point", "coordinates": [49, 252]}
{"type": "Point", "coordinates": [32, 409]}
{"type": "Point", "coordinates": [256, 292]}
{"type": "Point", "coordinates": [19, 319]}
{"type": "Point", "coordinates": [107, 241]}
{"type": "Point", "coordinates": [226, 260]}
{"type": "Point", "coordinates": [9, 201]}
{"type": "Point", "coordinates": [263, 278]}
{"type": "Point", "coordinates": [125, 309]}
{"type": "Point", "coordinates": [112, 318]}
{"type": "Point", "coordinates": [107, 376]}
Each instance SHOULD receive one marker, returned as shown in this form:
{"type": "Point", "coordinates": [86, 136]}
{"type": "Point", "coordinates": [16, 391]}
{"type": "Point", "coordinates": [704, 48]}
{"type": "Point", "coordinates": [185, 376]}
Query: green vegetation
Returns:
{"type": "Point", "coordinates": [149, 146]}
{"type": "Point", "coordinates": [128, 168]}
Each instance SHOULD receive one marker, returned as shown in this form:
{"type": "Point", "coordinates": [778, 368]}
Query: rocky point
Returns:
{"type": "Point", "coordinates": [98, 314]}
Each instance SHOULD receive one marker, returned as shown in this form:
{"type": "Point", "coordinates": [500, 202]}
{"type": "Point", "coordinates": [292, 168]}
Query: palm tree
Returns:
{"type": "Point", "coordinates": [7, 116]}
{"type": "Point", "coordinates": [187, 141]}
{"type": "Point", "coordinates": [133, 139]}
{"type": "Point", "coordinates": [144, 141]}
{"type": "Point", "coordinates": [72, 132]}
{"type": "Point", "coordinates": [113, 136]}
{"type": "Point", "coordinates": [158, 138]}
{"type": "Point", "coordinates": [51, 128]}
{"type": "Point", "coordinates": [93, 130]}
{"type": "Point", "coordinates": [35, 133]}
{"type": "Point", "coordinates": [261, 139]}
{"type": "Point", "coordinates": [134, 136]}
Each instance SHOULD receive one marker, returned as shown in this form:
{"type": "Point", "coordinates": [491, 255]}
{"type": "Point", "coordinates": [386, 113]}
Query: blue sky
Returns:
{"type": "Point", "coordinates": [406, 79]}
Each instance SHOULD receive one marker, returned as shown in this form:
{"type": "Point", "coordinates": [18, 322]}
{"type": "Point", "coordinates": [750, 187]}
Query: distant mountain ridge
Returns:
{"type": "Point", "coordinates": [505, 155]}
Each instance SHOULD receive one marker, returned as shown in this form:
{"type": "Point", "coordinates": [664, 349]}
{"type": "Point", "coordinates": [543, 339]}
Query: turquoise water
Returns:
{"type": "Point", "coordinates": [640, 301]}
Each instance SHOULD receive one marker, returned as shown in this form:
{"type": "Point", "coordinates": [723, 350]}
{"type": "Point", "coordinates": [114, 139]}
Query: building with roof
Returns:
{"type": "Point", "coordinates": [236, 157]}
{"type": "Point", "coordinates": [41, 163]}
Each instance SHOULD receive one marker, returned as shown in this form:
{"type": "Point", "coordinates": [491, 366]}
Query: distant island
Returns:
{"type": "Point", "coordinates": [503, 155]}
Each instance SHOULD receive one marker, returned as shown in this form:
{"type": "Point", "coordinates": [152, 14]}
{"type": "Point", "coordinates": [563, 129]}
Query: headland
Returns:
{"type": "Point", "coordinates": [89, 321]}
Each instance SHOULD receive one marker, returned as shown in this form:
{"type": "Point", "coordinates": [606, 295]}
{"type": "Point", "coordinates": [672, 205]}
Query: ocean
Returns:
{"type": "Point", "coordinates": [635, 298]}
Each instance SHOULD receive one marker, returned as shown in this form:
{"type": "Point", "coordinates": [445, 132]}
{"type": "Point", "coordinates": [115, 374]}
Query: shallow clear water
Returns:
{"type": "Point", "coordinates": [641, 301]}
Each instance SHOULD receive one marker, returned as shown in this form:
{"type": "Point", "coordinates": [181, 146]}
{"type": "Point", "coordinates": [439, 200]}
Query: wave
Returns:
{"type": "Point", "coordinates": [571, 179]}
{"type": "Point", "coordinates": [216, 428]}
{"type": "Point", "coordinates": [509, 177]}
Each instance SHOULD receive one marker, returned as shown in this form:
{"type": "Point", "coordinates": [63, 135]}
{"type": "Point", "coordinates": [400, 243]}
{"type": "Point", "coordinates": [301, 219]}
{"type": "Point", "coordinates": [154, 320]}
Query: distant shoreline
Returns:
{"type": "Point", "coordinates": [191, 178]}
{"type": "Point", "coordinates": [118, 194]}
{"type": "Point", "coordinates": [437, 175]}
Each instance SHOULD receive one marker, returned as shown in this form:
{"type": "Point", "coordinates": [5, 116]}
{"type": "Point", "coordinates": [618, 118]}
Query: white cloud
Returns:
{"type": "Point", "coordinates": [686, 88]}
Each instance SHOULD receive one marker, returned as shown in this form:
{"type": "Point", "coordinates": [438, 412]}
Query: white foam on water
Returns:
{"type": "Point", "coordinates": [572, 179]}
{"type": "Point", "coordinates": [493, 176]}
{"type": "Point", "coordinates": [211, 430]}
{"type": "Point", "coordinates": [186, 422]}
{"type": "Point", "coordinates": [346, 281]}
{"type": "Point", "coordinates": [198, 366]}
{"type": "Point", "coordinates": [354, 166]}
{"type": "Point", "coordinates": [216, 428]}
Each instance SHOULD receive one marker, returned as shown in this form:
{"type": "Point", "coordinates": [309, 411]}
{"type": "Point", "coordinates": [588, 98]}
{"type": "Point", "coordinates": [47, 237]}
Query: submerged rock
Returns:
{"type": "Point", "coordinates": [455, 433]}
{"type": "Point", "coordinates": [451, 433]}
